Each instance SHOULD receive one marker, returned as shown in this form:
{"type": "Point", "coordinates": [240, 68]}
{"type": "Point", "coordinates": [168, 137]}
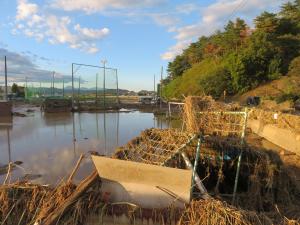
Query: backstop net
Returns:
{"type": "Point", "coordinates": [95, 87]}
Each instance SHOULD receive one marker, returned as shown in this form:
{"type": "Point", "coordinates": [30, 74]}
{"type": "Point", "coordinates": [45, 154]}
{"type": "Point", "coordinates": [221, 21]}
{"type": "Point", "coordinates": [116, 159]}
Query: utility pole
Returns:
{"type": "Point", "coordinates": [104, 61]}
{"type": "Point", "coordinates": [5, 71]}
{"type": "Point", "coordinates": [161, 81]}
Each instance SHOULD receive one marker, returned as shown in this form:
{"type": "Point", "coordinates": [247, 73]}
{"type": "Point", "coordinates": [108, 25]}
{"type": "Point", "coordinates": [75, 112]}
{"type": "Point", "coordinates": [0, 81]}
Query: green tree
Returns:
{"type": "Point", "coordinates": [267, 22]}
{"type": "Point", "coordinates": [178, 66]}
{"type": "Point", "coordinates": [290, 18]}
{"type": "Point", "coordinates": [14, 88]}
{"type": "Point", "coordinates": [257, 63]}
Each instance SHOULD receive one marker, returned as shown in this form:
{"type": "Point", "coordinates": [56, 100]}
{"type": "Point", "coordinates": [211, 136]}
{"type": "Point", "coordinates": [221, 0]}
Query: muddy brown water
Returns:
{"type": "Point", "coordinates": [49, 145]}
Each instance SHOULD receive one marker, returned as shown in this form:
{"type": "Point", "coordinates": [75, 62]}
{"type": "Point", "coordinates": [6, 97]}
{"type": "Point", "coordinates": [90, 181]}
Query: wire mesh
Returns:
{"type": "Point", "coordinates": [95, 86]}
{"type": "Point", "coordinates": [156, 146]}
{"type": "Point", "coordinates": [222, 123]}
{"type": "Point", "coordinates": [203, 114]}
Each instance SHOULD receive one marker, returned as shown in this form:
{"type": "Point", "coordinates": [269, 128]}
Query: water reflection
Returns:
{"type": "Point", "coordinates": [50, 144]}
{"type": "Point", "coordinates": [6, 124]}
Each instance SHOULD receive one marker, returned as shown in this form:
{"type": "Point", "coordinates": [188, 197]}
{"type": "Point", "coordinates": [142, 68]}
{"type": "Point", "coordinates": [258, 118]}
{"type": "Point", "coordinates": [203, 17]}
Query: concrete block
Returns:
{"type": "Point", "coordinates": [5, 108]}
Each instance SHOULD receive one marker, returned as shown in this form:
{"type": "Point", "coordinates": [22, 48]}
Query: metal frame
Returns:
{"type": "Point", "coordinates": [100, 67]}
{"type": "Point", "coordinates": [245, 115]}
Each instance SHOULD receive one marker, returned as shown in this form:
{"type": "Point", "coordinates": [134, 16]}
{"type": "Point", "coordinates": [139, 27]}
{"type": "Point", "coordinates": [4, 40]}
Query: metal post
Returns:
{"type": "Point", "coordinates": [196, 162]}
{"type": "Point", "coordinates": [53, 83]}
{"type": "Point", "coordinates": [104, 91]}
{"type": "Point", "coordinates": [118, 100]}
{"type": "Point", "coordinates": [63, 88]}
{"type": "Point", "coordinates": [161, 81]}
{"type": "Point", "coordinates": [79, 89]}
{"type": "Point", "coordinates": [240, 156]}
{"type": "Point", "coordinates": [198, 181]}
{"type": "Point", "coordinates": [96, 89]}
{"type": "Point", "coordinates": [40, 89]}
{"type": "Point", "coordinates": [72, 86]}
{"type": "Point", "coordinates": [26, 90]}
{"type": "Point", "coordinates": [5, 73]}
{"type": "Point", "coordinates": [154, 86]}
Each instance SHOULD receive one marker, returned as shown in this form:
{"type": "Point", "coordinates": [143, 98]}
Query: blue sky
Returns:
{"type": "Point", "coordinates": [135, 36]}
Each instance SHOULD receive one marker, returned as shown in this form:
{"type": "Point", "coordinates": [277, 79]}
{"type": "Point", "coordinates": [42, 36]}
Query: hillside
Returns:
{"type": "Point", "coordinates": [242, 61]}
{"type": "Point", "coordinates": [274, 90]}
{"type": "Point", "coordinates": [202, 77]}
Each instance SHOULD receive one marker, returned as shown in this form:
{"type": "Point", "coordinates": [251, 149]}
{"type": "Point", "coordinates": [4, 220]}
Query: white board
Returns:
{"type": "Point", "coordinates": [147, 186]}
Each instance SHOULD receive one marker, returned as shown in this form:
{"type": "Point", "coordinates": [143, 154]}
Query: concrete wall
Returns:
{"type": "Point", "coordinates": [5, 108]}
{"type": "Point", "coordinates": [284, 138]}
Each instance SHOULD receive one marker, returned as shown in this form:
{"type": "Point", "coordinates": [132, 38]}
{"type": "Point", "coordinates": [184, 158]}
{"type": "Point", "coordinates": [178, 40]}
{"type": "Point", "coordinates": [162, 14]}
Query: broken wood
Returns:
{"type": "Point", "coordinates": [54, 216]}
{"type": "Point", "coordinates": [8, 173]}
{"type": "Point", "coordinates": [76, 168]}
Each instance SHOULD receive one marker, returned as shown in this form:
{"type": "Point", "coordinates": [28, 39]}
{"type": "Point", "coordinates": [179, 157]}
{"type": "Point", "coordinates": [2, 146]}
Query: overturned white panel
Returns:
{"type": "Point", "coordinates": [147, 186]}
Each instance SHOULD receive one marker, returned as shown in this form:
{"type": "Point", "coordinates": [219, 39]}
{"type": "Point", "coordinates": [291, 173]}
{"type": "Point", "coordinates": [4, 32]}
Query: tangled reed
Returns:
{"type": "Point", "coordinates": [214, 212]}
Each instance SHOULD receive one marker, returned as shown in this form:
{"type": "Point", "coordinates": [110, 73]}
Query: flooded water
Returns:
{"type": "Point", "coordinates": [50, 144]}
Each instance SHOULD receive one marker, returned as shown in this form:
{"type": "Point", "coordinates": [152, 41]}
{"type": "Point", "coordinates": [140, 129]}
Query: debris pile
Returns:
{"type": "Point", "coordinates": [214, 212]}
{"type": "Point", "coordinates": [203, 114]}
{"type": "Point", "coordinates": [281, 120]}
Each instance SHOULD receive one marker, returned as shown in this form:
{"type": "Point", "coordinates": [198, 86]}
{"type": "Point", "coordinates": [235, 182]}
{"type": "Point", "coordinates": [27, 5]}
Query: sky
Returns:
{"type": "Point", "coordinates": [137, 37]}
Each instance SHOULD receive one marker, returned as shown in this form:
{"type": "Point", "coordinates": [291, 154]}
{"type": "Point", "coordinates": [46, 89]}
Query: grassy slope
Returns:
{"type": "Point", "coordinates": [273, 89]}
{"type": "Point", "coordinates": [190, 82]}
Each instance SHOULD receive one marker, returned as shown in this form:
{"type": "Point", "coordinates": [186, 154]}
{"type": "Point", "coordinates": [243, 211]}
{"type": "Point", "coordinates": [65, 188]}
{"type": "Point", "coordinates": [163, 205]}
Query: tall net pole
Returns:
{"type": "Point", "coordinates": [53, 83]}
{"type": "Point", "coordinates": [104, 91]}
{"type": "Point", "coordinates": [5, 73]}
{"type": "Point", "coordinates": [97, 89]}
{"type": "Point", "coordinates": [72, 86]}
{"type": "Point", "coordinates": [161, 81]}
{"type": "Point", "coordinates": [63, 88]}
{"type": "Point", "coordinates": [154, 85]}
{"type": "Point", "coordinates": [118, 100]}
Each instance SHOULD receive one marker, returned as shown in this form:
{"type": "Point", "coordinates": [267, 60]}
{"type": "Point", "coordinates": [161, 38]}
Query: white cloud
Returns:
{"type": "Point", "coordinates": [214, 17]}
{"type": "Point", "coordinates": [175, 50]}
{"type": "Point", "coordinates": [165, 20]}
{"type": "Point", "coordinates": [187, 8]}
{"type": "Point", "coordinates": [92, 33]}
{"type": "Point", "coordinates": [25, 9]}
{"type": "Point", "coordinates": [91, 6]}
{"type": "Point", "coordinates": [34, 23]}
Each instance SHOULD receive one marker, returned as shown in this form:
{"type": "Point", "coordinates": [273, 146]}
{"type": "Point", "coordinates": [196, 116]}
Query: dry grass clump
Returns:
{"type": "Point", "coordinates": [194, 104]}
{"type": "Point", "coordinates": [214, 212]}
{"type": "Point", "coordinates": [89, 203]}
{"type": "Point", "coordinates": [20, 202]}
{"type": "Point", "coordinates": [55, 199]}
{"type": "Point", "coordinates": [284, 120]}
{"type": "Point", "coordinates": [203, 114]}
